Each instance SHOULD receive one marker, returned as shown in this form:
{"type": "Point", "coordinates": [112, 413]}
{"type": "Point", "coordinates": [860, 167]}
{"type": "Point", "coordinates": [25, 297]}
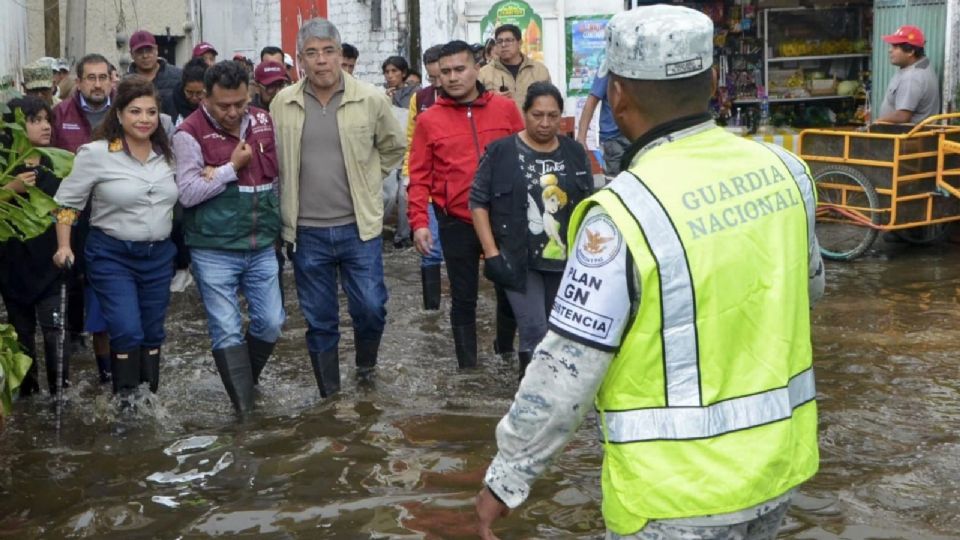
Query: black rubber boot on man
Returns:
{"type": "Point", "coordinates": [430, 280]}
{"type": "Point", "coordinates": [233, 363]}
{"type": "Point", "coordinates": [125, 367]}
{"type": "Point", "coordinates": [326, 369]}
{"type": "Point", "coordinates": [150, 367]}
{"type": "Point", "coordinates": [524, 362]}
{"type": "Point", "coordinates": [260, 352]}
{"type": "Point", "coordinates": [103, 368]}
{"type": "Point", "coordinates": [367, 351]}
{"type": "Point", "coordinates": [465, 342]}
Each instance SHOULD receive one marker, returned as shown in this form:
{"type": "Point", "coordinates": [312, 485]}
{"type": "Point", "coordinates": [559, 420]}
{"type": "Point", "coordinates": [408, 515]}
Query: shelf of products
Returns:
{"type": "Point", "coordinates": [821, 57]}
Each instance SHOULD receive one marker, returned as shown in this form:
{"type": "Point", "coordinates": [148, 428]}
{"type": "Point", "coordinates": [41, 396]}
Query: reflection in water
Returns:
{"type": "Point", "coordinates": [405, 457]}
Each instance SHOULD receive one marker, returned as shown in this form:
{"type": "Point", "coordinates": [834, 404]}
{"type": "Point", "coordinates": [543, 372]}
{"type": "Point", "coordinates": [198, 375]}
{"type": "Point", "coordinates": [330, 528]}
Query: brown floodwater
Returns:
{"type": "Point", "coordinates": [404, 458]}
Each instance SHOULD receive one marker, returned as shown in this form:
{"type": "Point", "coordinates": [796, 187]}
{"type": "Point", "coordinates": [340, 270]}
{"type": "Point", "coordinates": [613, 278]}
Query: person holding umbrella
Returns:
{"type": "Point", "coordinates": [29, 284]}
{"type": "Point", "coordinates": [127, 172]}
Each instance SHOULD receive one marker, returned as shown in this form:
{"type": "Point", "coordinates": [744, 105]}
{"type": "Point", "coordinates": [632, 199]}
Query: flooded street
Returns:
{"type": "Point", "coordinates": [404, 458]}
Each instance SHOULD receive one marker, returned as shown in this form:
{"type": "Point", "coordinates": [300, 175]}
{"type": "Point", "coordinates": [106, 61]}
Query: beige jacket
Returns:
{"type": "Point", "coordinates": [373, 145]}
{"type": "Point", "coordinates": [495, 75]}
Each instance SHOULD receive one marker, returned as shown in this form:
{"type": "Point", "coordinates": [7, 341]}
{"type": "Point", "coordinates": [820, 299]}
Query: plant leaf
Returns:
{"type": "Point", "coordinates": [62, 160]}
{"type": "Point", "coordinates": [41, 203]}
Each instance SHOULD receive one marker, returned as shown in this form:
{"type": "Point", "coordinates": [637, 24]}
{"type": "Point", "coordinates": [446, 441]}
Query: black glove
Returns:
{"type": "Point", "coordinates": [499, 270]}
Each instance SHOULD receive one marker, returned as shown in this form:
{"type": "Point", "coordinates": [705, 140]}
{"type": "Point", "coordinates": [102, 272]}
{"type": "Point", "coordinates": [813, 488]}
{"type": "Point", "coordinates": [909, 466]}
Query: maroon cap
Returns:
{"type": "Point", "coordinates": [202, 48]}
{"type": "Point", "coordinates": [141, 39]}
{"type": "Point", "coordinates": [269, 72]}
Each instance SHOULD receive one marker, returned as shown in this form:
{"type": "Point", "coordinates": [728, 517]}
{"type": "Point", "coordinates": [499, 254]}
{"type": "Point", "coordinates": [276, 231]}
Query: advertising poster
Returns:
{"type": "Point", "coordinates": [292, 15]}
{"type": "Point", "coordinates": [521, 14]}
{"type": "Point", "coordinates": [585, 46]}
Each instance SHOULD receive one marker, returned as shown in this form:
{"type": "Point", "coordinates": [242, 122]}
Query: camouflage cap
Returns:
{"type": "Point", "coordinates": [37, 76]}
{"type": "Point", "coordinates": [658, 42]}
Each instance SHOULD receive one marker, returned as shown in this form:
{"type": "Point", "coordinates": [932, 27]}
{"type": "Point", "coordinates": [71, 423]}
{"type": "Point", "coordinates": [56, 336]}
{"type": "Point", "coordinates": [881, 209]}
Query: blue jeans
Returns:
{"type": "Point", "coordinates": [220, 274]}
{"type": "Point", "coordinates": [435, 256]}
{"type": "Point", "coordinates": [132, 284]}
{"type": "Point", "coordinates": [320, 253]}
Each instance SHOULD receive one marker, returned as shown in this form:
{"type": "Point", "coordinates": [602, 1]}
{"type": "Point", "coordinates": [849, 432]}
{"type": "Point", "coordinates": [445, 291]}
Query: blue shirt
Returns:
{"type": "Point", "coordinates": [608, 127]}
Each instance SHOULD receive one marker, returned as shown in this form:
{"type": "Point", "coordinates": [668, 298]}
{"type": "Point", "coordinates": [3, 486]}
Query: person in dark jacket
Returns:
{"type": "Point", "coordinates": [148, 64]}
{"type": "Point", "coordinates": [448, 141]}
{"type": "Point", "coordinates": [525, 188]}
{"type": "Point", "coordinates": [186, 97]}
{"type": "Point", "coordinates": [29, 283]}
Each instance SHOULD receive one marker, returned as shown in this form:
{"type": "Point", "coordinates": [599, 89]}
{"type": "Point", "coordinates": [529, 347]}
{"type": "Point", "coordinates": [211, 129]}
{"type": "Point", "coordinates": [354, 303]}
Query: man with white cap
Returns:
{"type": "Point", "coordinates": [702, 378]}
{"type": "Point", "coordinates": [914, 90]}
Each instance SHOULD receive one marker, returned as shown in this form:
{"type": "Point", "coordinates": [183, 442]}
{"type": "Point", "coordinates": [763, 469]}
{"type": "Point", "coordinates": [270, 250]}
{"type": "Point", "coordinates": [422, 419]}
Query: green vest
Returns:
{"type": "Point", "coordinates": [709, 405]}
{"type": "Point", "coordinates": [234, 220]}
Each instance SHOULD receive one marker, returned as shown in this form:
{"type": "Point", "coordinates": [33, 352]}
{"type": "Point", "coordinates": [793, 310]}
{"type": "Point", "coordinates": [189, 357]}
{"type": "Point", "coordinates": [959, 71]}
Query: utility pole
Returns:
{"type": "Point", "coordinates": [76, 29]}
{"type": "Point", "coordinates": [51, 28]}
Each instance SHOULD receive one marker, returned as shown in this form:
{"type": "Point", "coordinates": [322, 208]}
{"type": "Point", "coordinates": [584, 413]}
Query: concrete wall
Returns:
{"type": "Point", "coordinates": [353, 20]}
{"type": "Point", "coordinates": [245, 26]}
{"type": "Point", "coordinates": [104, 20]}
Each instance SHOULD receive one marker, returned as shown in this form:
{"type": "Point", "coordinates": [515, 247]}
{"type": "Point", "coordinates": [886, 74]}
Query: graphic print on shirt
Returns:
{"type": "Point", "coordinates": [543, 210]}
{"type": "Point", "coordinates": [592, 305]}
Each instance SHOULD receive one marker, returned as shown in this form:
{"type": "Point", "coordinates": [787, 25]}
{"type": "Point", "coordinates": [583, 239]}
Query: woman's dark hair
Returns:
{"type": "Point", "coordinates": [228, 74]}
{"type": "Point", "coordinates": [194, 71]}
{"type": "Point", "coordinates": [540, 89]}
{"type": "Point", "coordinates": [31, 107]}
{"type": "Point", "coordinates": [130, 88]}
{"type": "Point", "coordinates": [398, 62]}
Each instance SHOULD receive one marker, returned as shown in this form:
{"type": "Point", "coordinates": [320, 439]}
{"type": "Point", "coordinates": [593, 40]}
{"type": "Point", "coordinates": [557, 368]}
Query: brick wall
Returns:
{"type": "Point", "coordinates": [353, 20]}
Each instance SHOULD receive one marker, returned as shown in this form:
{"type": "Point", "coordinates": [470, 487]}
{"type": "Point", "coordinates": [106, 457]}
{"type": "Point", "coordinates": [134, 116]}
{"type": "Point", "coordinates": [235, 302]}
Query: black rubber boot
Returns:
{"type": "Point", "coordinates": [103, 368]}
{"type": "Point", "coordinates": [30, 385]}
{"type": "Point", "coordinates": [233, 363]}
{"type": "Point", "coordinates": [524, 362]}
{"type": "Point", "coordinates": [125, 367]}
{"type": "Point", "coordinates": [367, 351]}
{"type": "Point", "coordinates": [430, 279]}
{"type": "Point", "coordinates": [50, 339]}
{"type": "Point", "coordinates": [326, 369]}
{"type": "Point", "coordinates": [260, 352]}
{"type": "Point", "coordinates": [150, 367]}
{"type": "Point", "coordinates": [465, 342]}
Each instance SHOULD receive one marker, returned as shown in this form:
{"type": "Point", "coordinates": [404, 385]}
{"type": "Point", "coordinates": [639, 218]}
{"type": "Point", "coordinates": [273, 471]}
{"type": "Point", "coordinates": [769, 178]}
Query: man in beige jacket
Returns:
{"type": "Point", "coordinates": [337, 139]}
{"type": "Point", "coordinates": [513, 72]}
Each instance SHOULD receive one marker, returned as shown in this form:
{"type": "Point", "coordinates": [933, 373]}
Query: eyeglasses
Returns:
{"type": "Point", "coordinates": [506, 41]}
{"type": "Point", "coordinates": [195, 94]}
{"type": "Point", "coordinates": [93, 78]}
{"type": "Point", "coordinates": [312, 54]}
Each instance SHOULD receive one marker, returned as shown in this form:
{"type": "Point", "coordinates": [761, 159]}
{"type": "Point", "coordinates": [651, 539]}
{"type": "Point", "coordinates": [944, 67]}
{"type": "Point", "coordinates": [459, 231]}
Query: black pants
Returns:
{"type": "Point", "coordinates": [24, 319]}
{"type": "Point", "coordinates": [461, 252]}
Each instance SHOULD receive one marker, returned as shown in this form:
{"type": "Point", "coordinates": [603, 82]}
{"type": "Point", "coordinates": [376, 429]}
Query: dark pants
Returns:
{"type": "Point", "coordinates": [132, 284]}
{"type": "Point", "coordinates": [24, 319]}
{"type": "Point", "coordinates": [461, 251]}
{"type": "Point", "coordinates": [532, 307]}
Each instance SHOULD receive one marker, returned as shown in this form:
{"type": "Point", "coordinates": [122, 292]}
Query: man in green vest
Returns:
{"type": "Point", "coordinates": [702, 380]}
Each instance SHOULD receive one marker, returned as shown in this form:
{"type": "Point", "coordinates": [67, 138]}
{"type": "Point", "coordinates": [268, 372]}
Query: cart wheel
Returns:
{"type": "Point", "coordinates": [920, 236]}
{"type": "Point", "coordinates": [843, 225]}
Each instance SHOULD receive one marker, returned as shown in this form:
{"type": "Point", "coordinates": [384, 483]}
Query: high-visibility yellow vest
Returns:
{"type": "Point", "coordinates": [709, 405]}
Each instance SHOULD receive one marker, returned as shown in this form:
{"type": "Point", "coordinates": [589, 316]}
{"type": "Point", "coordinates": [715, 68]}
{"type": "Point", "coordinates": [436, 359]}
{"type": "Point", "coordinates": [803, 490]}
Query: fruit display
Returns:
{"type": "Point", "coordinates": [822, 47]}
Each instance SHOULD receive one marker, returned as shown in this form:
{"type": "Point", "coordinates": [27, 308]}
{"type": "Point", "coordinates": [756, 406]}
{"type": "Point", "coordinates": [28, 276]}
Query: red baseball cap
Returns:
{"type": "Point", "coordinates": [910, 35]}
{"type": "Point", "coordinates": [202, 48]}
{"type": "Point", "coordinates": [141, 39]}
{"type": "Point", "coordinates": [269, 72]}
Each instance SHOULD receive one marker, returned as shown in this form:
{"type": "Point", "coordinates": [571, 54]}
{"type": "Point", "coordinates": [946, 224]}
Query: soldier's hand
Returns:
{"type": "Point", "coordinates": [241, 155]}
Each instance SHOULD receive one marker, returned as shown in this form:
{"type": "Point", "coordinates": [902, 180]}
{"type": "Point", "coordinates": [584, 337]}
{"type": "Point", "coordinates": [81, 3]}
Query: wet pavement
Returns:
{"type": "Point", "coordinates": [404, 458]}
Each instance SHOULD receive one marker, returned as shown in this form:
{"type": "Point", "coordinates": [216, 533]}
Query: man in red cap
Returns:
{"type": "Point", "coordinates": [207, 52]}
{"type": "Point", "coordinates": [914, 91]}
{"type": "Point", "coordinates": [271, 77]}
{"type": "Point", "coordinates": [147, 63]}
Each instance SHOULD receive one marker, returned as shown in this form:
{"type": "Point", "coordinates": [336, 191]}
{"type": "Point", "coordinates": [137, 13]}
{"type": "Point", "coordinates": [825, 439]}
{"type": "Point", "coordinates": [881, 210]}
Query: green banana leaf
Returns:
{"type": "Point", "coordinates": [13, 367]}
{"type": "Point", "coordinates": [62, 160]}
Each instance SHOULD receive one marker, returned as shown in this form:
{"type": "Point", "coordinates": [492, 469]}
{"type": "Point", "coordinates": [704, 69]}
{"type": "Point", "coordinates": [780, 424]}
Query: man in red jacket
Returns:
{"type": "Point", "coordinates": [448, 141]}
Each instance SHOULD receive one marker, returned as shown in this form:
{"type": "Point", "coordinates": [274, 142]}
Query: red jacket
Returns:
{"type": "Point", "coordinates": [448, 141]}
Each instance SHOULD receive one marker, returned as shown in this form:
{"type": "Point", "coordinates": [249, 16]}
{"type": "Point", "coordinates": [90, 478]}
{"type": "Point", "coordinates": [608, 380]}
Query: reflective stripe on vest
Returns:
{"type": "Point", "coordinates": [685, 417]}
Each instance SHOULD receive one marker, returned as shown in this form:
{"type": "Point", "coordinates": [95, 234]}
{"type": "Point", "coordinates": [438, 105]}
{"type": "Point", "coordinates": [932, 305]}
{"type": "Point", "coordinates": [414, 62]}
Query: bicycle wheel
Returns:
{"type": "Point", "coordinates": [927, 234]}
{"type": "Point", "coordinates": [847, 205]}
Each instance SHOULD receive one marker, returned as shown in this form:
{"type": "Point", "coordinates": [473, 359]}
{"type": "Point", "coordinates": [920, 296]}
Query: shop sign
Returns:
{"type": "Point", "coordinates": [521, 14]}
{"type": "Point", "coordinates": [585, 49]}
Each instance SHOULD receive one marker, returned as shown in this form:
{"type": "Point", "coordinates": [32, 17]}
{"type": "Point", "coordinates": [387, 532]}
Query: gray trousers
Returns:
{"type": "Point", "coordinates": [763, 527]}
{"type": "Point", "coordinates": [613, 150]}
{"type": "Point", "coordinates": [532, 307]}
